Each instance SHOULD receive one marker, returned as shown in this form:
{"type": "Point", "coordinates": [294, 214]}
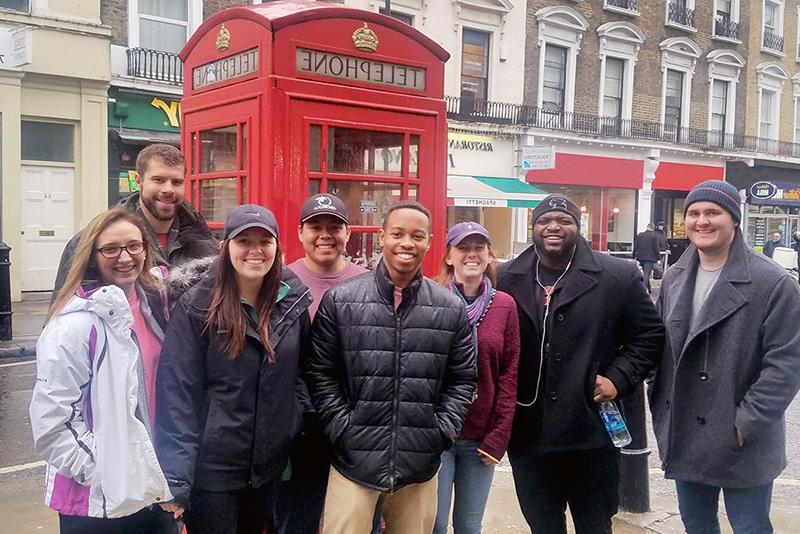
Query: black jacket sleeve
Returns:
{"type": "Point", "coordinates": [642, 339]}
{"type": "Point", "coordinates": [324, 371]}
{"type": "Point", "coordinates": [179, 394]}
{"type": "Point", "coordinates": [460, 382]}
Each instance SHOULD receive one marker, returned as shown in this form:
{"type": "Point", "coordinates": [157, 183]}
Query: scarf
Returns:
{"type": "Point", "coordinates": [477, 309]}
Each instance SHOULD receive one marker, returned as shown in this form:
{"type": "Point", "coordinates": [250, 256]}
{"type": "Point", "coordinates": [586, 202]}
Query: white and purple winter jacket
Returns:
{"type": "Point", "coordinates": [89, 409]}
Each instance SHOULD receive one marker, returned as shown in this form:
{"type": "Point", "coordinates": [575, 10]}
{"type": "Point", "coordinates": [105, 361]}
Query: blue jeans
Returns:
{"type": "Point", "coordinates": [747, 508]}
{"type": "Point", "coordinates": [462, 468]}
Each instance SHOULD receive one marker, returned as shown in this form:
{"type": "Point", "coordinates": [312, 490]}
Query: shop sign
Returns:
{"type": "Point", "coordinates": [16, 47]}
{"type": "Point", "coordinates": [478, 143]}
{"type": "Point", "coordinates": [775, 193]}
{"type": "Point", "coordinates": [368, 206]}
{"type": "Point", "coordinates": [357, 69]}
{"type": "Point", "coordinates": [480, 202]}
{"type": "Point", "coordinates": [225, 69]}
{"type": "Point", "coordinates": [537, 158]}
{"type": "Point", "coordinates": [144, 112]}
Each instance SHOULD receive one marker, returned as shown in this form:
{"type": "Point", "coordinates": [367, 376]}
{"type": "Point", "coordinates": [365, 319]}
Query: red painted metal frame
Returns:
{"type": "Point", "coordinates": [277, 104]}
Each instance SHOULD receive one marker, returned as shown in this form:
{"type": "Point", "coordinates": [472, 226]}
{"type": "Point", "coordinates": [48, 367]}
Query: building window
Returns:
{"type": "Point", "coordinates": [767, 125]}
{"type": "Point", "coordinates": [726, 20]}
{"type": "Point", "coordinates": [796, 122]}
{"type": "Point", "coordinates": [402, 17]}
{"type": "Point", "coordinates": [622, 6]}
{"type": "Point", "coordinates": [719, 111]}
{"type": "Point", "coordinates": [48, 141]}
{"type": "Point", "coordinates": [772, 39]}
{"type": "Point", "coordinates": [680, 13]}
{"type": "Point", "coordinates": [16, 5]}
{"type": "Point", "coordinates": [560, 34]}
{"type": "Point", "coordinates": [612, 87]}
{"type": "Point", "coordinates": [554, 79]}
{"type": "Point", "coordinates": [673, 103]}
{"type": "Point", "coordinates": [163, 25]}
{"type": "Point", "coordinates": [475, 65]}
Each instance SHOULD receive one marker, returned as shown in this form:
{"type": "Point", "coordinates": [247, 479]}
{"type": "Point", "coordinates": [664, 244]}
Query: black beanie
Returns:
{"type": "Point", "coordinates": [556, 202]}
{"type": "Point", "coordinates": [721, 193]}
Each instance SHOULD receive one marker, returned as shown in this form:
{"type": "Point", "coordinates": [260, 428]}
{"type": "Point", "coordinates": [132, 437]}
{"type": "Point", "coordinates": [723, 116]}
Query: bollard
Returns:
{"type": "Point", "coordinates": [5, 292]}
{"type": "Point", "coordinates": [634, 486]}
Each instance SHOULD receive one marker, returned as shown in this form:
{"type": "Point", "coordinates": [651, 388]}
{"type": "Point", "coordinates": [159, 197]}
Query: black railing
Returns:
{"type": "Point", "coordinates": [155, 65]}
{"type": "Point", "coordinates": [630, 5]}
{"type": "Point", "coordinates": [474, 110]}
{"type": "Point", "coordinates": [725, 27]}
{"type": "Point", "coordinates": [681, 15]}
{"type": "Point", "coordinates": [772, 40]}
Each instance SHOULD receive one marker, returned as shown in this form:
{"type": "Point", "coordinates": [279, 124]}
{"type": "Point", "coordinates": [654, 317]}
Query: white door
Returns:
{"type": "Point", "coordinates": [47, 223]}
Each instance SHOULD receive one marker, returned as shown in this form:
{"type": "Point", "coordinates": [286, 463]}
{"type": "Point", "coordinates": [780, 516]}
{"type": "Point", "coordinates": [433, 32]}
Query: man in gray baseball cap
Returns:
{"type": "Point", "coordinates": [324, 231]}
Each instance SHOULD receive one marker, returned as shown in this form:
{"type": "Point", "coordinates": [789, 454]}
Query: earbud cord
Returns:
{"type": "Point", "coordinates": [544, 321]}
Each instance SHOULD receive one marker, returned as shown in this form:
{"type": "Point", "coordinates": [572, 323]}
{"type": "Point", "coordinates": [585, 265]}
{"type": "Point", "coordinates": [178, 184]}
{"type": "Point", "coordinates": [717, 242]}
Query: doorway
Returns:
{"type": "Point", "coordinates": [47, 215]}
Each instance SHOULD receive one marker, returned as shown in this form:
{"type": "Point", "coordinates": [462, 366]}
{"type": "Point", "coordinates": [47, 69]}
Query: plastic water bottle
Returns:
{"type": "Point", "coordinates": [615, 424]}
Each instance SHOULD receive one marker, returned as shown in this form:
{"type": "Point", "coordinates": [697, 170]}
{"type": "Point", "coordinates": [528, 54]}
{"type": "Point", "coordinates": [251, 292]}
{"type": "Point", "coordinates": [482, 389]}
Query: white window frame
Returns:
{"type": "Point", "coordinates": [621, 10]}
{"type": "Point", "coordinates": [725, 65]}
{"type": "Point", "coordinates": [491, 59]}
{"type": "Point", "coordinates": [689, 5]}
{"type": "Point", "coordinates": [194, 19]}
{"type": "Point", "coordinates": [796, 100]}
{"type": "Point", "coordinates": [772, 76]}
{"type": "Point", "coordinates": [779, 25]}
{"type": "Point", "coordinates": [734, 18]}
{"type": "Point", "coordinates": [679, 54]}
{"type": "Point", "coordinates": [797, 40]}
{"type": "Point", "coordinates": [620, 40]}
{"type": "Point", "coordinates": [560, 26]}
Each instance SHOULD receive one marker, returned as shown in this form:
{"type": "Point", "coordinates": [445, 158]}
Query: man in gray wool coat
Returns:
{"type": "Point", "coordinates": [731, 367]}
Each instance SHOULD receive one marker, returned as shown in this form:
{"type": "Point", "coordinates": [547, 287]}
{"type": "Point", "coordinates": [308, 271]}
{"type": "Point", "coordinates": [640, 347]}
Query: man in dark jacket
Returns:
{"type": "Point", "coordinates": [177, 231]}
{"type": "Point", "coordinates": [589, 333]}
{"type": "Point", "coordinates": [769, 247]}
{"type": "Point", "coordinates": [392, 376]}
{"type": "Point", "coordinates": [731, 366]}
{"type": "Point", "coordinates": [646, 251]}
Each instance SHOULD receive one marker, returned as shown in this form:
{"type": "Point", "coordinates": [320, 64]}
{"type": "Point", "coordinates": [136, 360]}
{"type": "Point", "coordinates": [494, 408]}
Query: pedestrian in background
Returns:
{"type": "Point", "coordinates": [646, 251]}
{"type": "Point", "coordinates": [324, 231]}
{"type": "Point", "coordinates": [177, 232]}
{"type": "Point", "coordinates": [589, 334]}
{"type": "Point", "coordinates": [730, 369]}
{"type": "Point", "coordinates": [468, 467]}
{"type": "Point", "coordinates": [769, 247]}
{"type": "Point", "coordinates": [392, 375]}
{"type": "Point", "coordinates": [92, 410]}
{"type": "Point", "coordinates": [228, 406]}
{"type": "Point", "coordinates": [663, 244]}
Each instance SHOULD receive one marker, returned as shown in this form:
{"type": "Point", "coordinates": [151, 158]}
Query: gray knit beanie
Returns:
{"type": "Point", "coordinates": [721, 193]}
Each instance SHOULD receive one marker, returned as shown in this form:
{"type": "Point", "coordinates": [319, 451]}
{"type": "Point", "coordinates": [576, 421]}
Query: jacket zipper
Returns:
{"type": "Point", "coordinates": [396, 409]}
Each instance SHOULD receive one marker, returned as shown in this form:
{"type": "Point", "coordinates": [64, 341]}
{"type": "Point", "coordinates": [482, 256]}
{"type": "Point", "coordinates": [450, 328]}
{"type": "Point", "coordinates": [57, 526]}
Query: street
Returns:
{"type": "Point", "coordinates": [22, 474]}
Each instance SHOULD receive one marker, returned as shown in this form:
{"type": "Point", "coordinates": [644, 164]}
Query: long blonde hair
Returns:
{"type": "Point", "coordinates": [83, 265]}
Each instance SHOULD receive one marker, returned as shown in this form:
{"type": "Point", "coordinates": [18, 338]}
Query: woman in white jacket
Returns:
{"type": "Point", "coordinates": [93, 404]}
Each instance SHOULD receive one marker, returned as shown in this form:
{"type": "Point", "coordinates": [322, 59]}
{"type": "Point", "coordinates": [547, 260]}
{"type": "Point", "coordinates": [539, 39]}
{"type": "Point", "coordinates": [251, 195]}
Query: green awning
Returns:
{"type": "Point", "coordinates": [490, 191]}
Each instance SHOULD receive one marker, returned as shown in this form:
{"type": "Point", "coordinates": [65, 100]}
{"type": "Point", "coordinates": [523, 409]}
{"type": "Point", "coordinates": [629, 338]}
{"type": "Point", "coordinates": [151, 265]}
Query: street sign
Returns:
{"type": "Point", "coordinates": [16, 47]}
{"type": "Point", "coordinates": [537, 158]}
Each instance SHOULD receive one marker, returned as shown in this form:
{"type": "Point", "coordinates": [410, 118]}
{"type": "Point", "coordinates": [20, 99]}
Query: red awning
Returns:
{"type": "Point", "coordinates": [684, 176]}
{"type": "Point", "coordinates": [592, 171]}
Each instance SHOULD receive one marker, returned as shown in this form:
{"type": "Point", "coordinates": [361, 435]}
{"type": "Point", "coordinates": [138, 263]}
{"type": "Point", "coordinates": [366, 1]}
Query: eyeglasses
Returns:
{"type": "Point", "coordinates": [114, 251]}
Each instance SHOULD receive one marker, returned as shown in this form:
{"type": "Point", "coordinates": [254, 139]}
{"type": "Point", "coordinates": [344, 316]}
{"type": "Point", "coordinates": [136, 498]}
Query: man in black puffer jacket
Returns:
{"type": "Point", "coordinates": [392, 376]}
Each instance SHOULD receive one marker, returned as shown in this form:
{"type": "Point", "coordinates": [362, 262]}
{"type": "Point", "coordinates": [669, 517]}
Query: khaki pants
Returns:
{"type": "Point", "coordinates": [350, 507]}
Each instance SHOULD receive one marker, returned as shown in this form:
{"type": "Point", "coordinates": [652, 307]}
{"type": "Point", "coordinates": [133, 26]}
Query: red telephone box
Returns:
{"type": "Point", "coordinates": [287, 99]}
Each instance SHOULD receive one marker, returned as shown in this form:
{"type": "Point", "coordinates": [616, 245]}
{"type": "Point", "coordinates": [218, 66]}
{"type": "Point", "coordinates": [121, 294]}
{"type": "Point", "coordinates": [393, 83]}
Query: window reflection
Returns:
{"type": "Point", "coordinates": [365, 152]}
{"type": "Point", "coordinates": [217, 197]}
{"type": "Point", "coordinates": [218, 150]}
{"type": "Point", "coordinates": [366, 202]}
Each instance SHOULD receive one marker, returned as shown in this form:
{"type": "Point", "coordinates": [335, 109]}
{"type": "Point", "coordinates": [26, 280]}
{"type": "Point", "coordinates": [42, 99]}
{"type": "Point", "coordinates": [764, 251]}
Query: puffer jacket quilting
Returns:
{"type": "Point", "coordinates": [391, 387]}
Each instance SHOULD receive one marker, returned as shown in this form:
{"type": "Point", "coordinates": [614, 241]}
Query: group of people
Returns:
{"type": "Point", "coordinates": [183, 379]}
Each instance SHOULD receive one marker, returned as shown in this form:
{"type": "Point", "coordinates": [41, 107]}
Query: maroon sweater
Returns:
{"type": "Point", "coordinates": [490, 416]}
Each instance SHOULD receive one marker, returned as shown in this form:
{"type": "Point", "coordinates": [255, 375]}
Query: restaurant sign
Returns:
{"type": "Point", "coordinates": [357, 69]}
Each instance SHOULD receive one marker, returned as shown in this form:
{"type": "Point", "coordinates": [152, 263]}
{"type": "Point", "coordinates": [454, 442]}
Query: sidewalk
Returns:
{"type": "Point", "coordinates": [26, 325]}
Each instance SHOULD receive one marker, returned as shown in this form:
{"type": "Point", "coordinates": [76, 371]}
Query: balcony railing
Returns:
{"type": "Point", "coordinates": [725, 27]}
{"type": "Point", "coordinates": [681, 15]}
{"type": "Point", "coordinates": [630, 5]}
{"type": "Point", "coordinates": [772, 40]}
{"type": "Point", "coordinates": [473, 110]}
{"type": "Point", "coordinates": [155, 65]}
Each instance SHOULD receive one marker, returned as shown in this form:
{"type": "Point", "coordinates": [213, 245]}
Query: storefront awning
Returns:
{"type": "Point", "coordinates": [491, 192]}
{"type": "Point", "coordinates": [684, 176]}
{"type": "Point", "coordinates": [146, 137]}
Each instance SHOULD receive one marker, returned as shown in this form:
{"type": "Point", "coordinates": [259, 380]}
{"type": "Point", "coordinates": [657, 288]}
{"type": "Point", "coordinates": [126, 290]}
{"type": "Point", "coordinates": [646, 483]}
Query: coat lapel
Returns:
{"type": "Point", "coordinates": [520, 283]}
